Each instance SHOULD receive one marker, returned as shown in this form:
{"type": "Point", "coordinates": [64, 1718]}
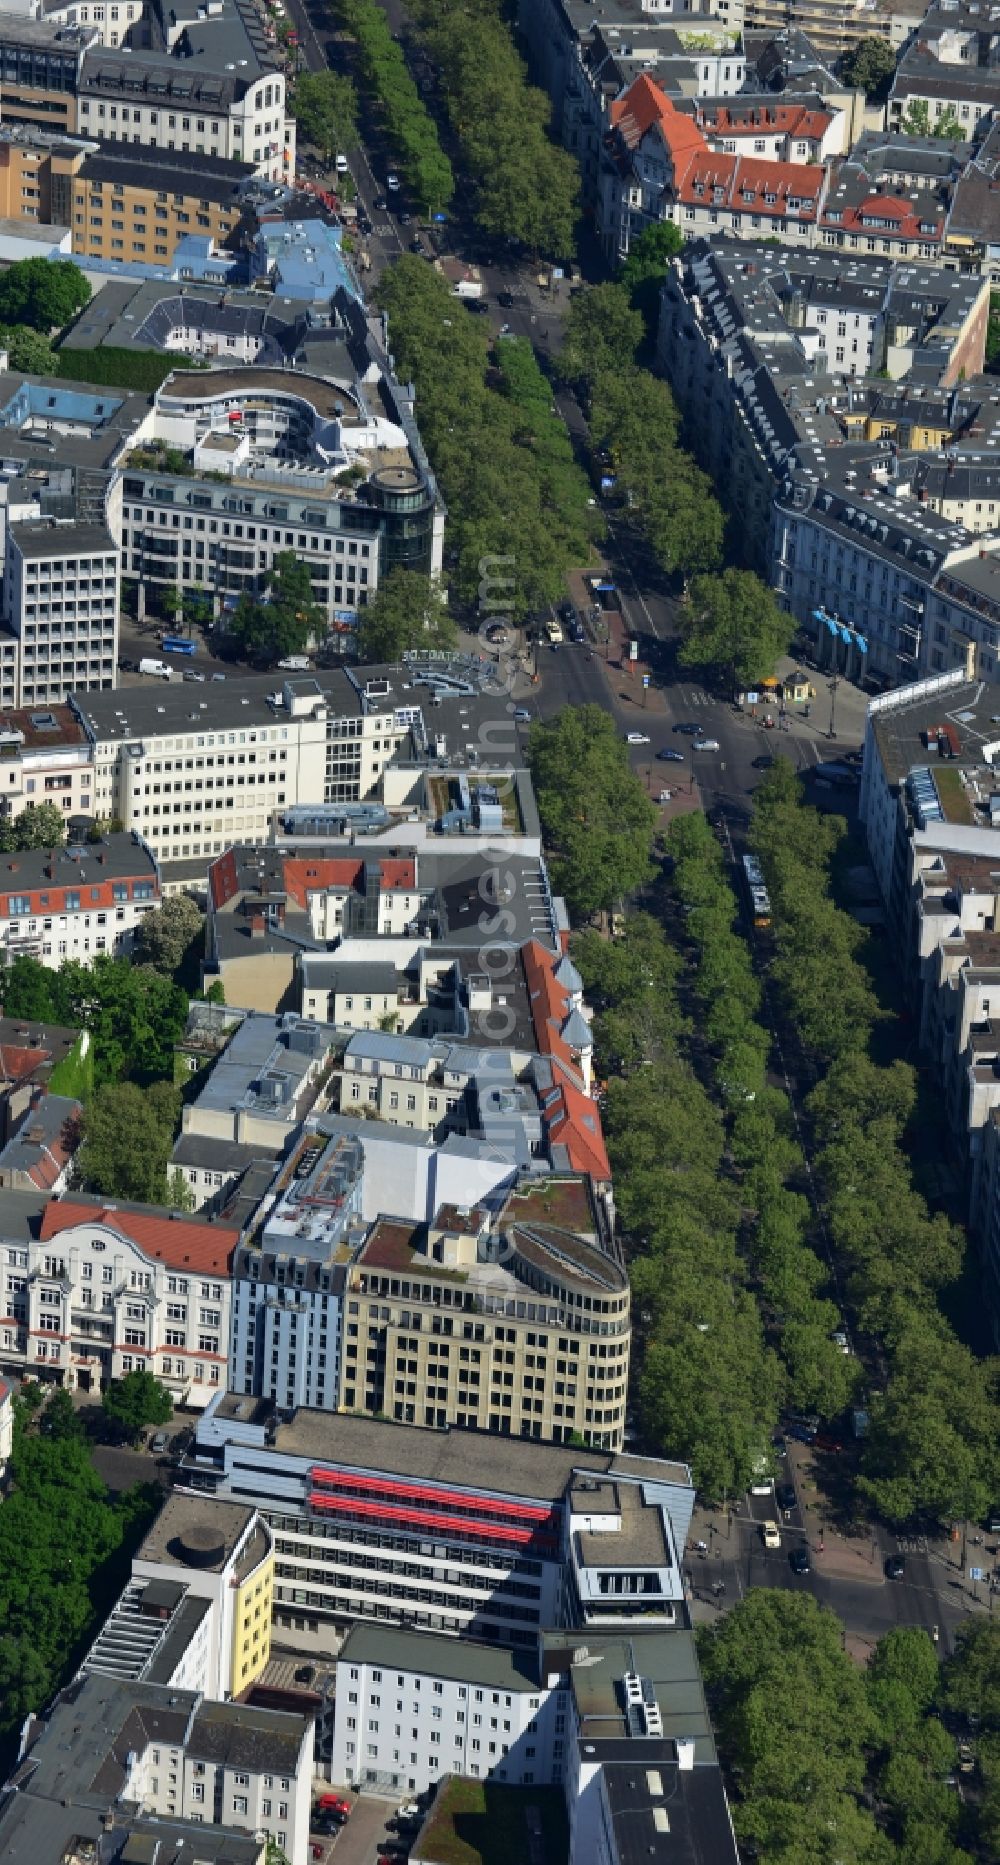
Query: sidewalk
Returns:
{"type": "Point", "coordinates": [844, 1557]}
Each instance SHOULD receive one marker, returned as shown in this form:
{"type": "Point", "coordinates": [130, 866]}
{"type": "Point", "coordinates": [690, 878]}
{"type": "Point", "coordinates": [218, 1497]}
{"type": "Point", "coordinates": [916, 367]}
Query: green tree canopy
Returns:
{"type": "Point", "coordinates": [733, 623]}
{"type": "Point", "coordinates": [645, 269]}
{"type": "Point", "coordinates": [325, 105]}
{"type": "Point", "coordinates": [164, 937]}
{"type": "Point", "coordinates": [285, 620]}
{"type": "Point", "coordinates": [137, 1400]}
{"type": "Point", "coordinates": [600, 336]}
{"type": "Point", "coordinates": [127, 1136]}
{"type": "Point", "coordinates": [869, 67]}
{"type": "Point", "coordinates": [28, 349]}
{"type": "Point", "coordinates": [41, 825]}
{"type": "Point", "coordinates": [43, 293]}
{"type": "Point", "coordinates": [406, 611]}
{"type": "Point", "coordinates": [598, 820]}
{"type": "Point", "coordinates": [134, 1017]}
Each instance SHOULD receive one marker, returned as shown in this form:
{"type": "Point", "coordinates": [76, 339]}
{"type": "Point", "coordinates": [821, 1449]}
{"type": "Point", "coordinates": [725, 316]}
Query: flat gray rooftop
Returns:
{"type": "Point", "coordinates": [465, 1661]}
{"type": "Point", "coordinates": [180, 1516]}
{"type": "Point", "coordinates": [480, 1460]}
{"type": "Point", "coordinates": [167, 708]}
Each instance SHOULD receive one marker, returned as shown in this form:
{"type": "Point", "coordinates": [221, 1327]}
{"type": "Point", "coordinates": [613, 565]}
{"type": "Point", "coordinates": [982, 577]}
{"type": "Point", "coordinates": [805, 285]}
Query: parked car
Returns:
{"type": "Point", "coordinates": [158, 1443]}
{"type": "Point", "coordinates": [670, 757]}
{"type": "Point", "coordinates": [770, 1534]}
{"type": "Point", "coordinates": [417, 246]}
{"type": "Point", "coordinates": [521, 715]}
{"type": "Point", "coordinates": [895, 1567]}
{"type": "Point", "coordinates": [505, 300]}
{"type": "Point", "coordinates": [380, 204]}
{"type": "Point", "coordinates": [839, 1339]}
{"type": "Point", "coordinates": [785, 1496]}
{"type": "Point", "coordinates": [637, 738]}
{"type": "Point", "coordinates": [392, 182]}
{"type": "Point", "coordinates": [408, 1811]}
{"type": "Point", "coordinates": [798, 1560]}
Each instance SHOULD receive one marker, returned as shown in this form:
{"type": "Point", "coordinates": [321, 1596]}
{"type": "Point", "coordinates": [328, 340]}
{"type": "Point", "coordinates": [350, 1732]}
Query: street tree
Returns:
{"type": "Point", "coordinates": [971, 1680]}
{"type": "Point", "coordinates": [645, 269]}
{"type": "Point", "coordinates": [601, 335]}
{"type": "Point", "coordinates": [598, 820]}
{"type": "Point", "coordinates": [132, 1403]}
{"type": "Point", "coordinates": [733, 623]}
{"type": "Point", "coordinates": [285, 620]}
{"type": "Point", "coordinates": [869, 67]}
{"type": "Point", "coordinates": [407, 611]}
{"type": "Point", "coordinates": [60, 1419]}
{"type": "Point", "coordinates": [325, 105]}
{"type": "Point", "coordinates": [42, 293]}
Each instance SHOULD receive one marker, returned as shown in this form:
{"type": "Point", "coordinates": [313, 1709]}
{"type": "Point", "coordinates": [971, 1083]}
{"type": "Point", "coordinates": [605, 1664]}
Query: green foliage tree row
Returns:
{"type": "Point", "coordinates": [62, 1539]}
{"type": "Point", "coordinates": [325, 105]}
{"type": "Point", "coordinates": [137, 1400]}
{"type": "Point", "coordinates": [934, 1438]}
{"type": "Point", "coordinates": [833, 1764]}
{"type": "Point", "coordinates": [165, 937]}
{"type": "Point", "coordinates": [598, 821]}
{"type": "Point", "coordinates": [134, 1015]}
{"type": "Point", "coordinates": [409, 125]}
{"type": "Point", "coordinates": [765, 1149]}
{"type": "Point", "coordinates": [710, 1386]}
{"type": "Point", "coordinates": [525, 187]}
{"type": "Point", "coordinates": [514, 493]}
{"type": "Point", "coordinates": [917, 121]}
{"type": "Point", "coordinates": [634, 423]}
{"type": "Point", "coordinates": [142, 370]}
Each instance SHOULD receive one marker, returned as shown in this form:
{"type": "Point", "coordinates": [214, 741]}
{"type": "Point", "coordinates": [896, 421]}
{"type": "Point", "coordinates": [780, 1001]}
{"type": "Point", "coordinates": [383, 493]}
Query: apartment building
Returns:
{"type": "Point", "coordinates": [196, 1612]}
{"type": "Point", "coordinates": [517, 1324]}
{"type": "Point", "coordinates": [134, 203]}
{"type": "Point", "coordinates": [58, 904]}
{"type": "Point", "coordinates": [288, 1277]}
{"type": "Point", "coordinates": [114, 21]}
{"type": "Point", "coordinates": [413, 1711]}
{"type": "Point", "coordinates": [661, 165]}
{"type": "Point", "coordinates": [928, 809]}
{"type": "Point", "coordinates": [845, 515]}
{"type": "Point", "coordinates": [895, 195]}
{"type": "Point", "coordinates": [950, 71]}
{"type": "Point", "coordinates": [44, 758]}
{"type": "Point", "coordinates": [41, 61]}
{"type": "Point", "coordinates": [99, 1290]}
{"type": "Point", "coordinates": [442, 1530]}
{"type": "Point", "coordinates": [211, 1781]}
{"type": "Point", "coordinates": [60, 600]}
{"type": "Point", "coordinates": [120, 201]}
{"type": "Point", "coordinates": [38, 1157]}
{"type": "Point", "coordinates": [270, 1075]}
{"type": "Point", "coordinates": [832, 26]}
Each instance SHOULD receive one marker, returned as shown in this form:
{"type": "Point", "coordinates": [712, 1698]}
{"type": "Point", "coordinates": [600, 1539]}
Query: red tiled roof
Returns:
{"type": "Point", "coordinates": [16, 1063]}
{"type": "Point", "coordinates": [303, 876]}
{"type": "Point", "coordinates": [184, 1243]}
{"type": "Point", "coordinates": [773, 119]}
{"type": "Point", "coordinates": [747, 182]}
{"type": "Point", "coordinates": [575, 1122]}
{"type": "Point", "coordinates": [643, 105]}
{"type": "Point", "coordinates": [908, 223]}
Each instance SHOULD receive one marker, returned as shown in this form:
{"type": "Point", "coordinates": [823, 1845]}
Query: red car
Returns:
{"type": "Point", "coordinates": [332, 1803]}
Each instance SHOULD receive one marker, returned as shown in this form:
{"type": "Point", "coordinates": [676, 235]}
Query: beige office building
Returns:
{"type": "Point", "coordinates": [519, 1327]}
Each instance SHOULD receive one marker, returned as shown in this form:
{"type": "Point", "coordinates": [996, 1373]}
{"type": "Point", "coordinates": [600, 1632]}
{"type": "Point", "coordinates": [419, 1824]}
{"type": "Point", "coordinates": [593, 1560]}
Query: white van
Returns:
{"type": "Point", "coordinates": [158, 669]}
{"type": "Point", "coordinates": [295, 663]}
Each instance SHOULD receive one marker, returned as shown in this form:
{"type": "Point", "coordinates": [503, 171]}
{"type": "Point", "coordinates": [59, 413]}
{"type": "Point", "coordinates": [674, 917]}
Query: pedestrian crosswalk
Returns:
{"type": "Point", "coordinates": [694, 696]}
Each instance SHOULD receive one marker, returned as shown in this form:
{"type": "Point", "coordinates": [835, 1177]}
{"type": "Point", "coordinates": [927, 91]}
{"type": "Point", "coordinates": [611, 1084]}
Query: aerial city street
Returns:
{"type": "Point", "coordinates": [499, 954]}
